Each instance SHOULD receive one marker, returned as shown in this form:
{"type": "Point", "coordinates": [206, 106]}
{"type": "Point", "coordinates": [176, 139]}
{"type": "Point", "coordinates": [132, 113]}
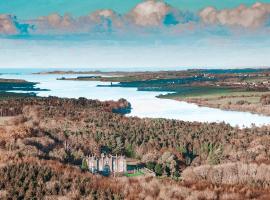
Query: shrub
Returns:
{"type": "Point", "coordinates": [84, 165]}
{"type": "Point", "coordinates": [151, 165]}
{"type": "Point", "coordinates": [158, 170]}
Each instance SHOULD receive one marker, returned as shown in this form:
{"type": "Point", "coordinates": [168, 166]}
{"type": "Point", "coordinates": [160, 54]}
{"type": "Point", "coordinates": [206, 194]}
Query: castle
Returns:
{"type": "Point", "coordinates": [107, 164]}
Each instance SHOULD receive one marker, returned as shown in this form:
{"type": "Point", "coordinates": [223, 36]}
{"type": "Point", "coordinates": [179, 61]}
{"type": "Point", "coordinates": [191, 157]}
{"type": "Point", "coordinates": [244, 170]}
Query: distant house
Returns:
{"type": "Point", "coordinates": [88, 77]}
{"type": "Point", "coordinates": [107, 164]}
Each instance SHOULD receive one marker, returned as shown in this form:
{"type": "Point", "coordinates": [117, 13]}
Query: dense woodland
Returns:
{"type": "Point", "coordinates": [44, 140]}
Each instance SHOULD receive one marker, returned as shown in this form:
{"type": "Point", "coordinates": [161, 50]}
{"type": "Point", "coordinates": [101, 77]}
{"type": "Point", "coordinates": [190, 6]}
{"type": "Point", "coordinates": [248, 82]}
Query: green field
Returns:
{"type": "Point", "coordinates": [138, 173]}
{"type": "Point", "coordinates": [207, 92]}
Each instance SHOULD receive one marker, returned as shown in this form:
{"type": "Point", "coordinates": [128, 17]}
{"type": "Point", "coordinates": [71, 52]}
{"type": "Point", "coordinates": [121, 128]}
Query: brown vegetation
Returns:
{"type": "Point", "coordinates": [265, 99]}
{"type": "Point", "coordinates": [254, 103]}
{"type": "Point", "coordinates": [30, 178]}
{"type": "Point", "coordinates": [42, 146]}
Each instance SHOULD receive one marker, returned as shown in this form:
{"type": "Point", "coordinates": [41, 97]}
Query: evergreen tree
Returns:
{"type": "Point", "coordinates": [119, 148]}
{"type": "Point", "coordinates": [151, 165]}
{"type": "Point", "coordinates": [84, 165]}
{"type": "Point", "coordinates": [158, 169]}
{"type": "Point", "coordinates": [130, 151]}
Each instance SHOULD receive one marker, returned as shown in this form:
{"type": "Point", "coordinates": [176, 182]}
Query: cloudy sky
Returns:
{"type": "Point", "coordinates": [134, 33]}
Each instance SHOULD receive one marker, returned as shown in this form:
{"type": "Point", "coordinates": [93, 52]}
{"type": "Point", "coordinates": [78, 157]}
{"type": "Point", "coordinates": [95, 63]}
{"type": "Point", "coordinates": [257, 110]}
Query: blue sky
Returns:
{"type": "Point", "coordinates": [133, 33]}
{"type": "Point", "coordinates": [30, 9]}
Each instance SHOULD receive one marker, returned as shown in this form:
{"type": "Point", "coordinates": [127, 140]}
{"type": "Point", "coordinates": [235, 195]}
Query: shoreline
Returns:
{"type": "Point", "coordinates": [9, 88]}
{"type": "Point", "coordinates": [203, 103]}
{"type": "Point", "coordinates": [212, 88]}
{"type": "Point", "coordinates": [187, 90]}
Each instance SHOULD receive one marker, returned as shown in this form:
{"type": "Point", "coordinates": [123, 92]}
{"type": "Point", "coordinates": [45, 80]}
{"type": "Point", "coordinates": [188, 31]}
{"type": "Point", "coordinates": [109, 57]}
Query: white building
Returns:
{"type": "Point", "coordinates": [107, 164]}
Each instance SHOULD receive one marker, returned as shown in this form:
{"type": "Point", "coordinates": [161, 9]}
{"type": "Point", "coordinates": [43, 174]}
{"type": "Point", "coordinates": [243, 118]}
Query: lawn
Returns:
{"type": "Point", "coordinates": [138, 173]}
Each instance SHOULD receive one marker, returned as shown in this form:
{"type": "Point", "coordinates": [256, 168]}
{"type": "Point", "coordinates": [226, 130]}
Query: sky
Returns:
{"type": "Point", "coordinates": [30, 9]}
{"type": "Point", "coordinates": [134, 33]}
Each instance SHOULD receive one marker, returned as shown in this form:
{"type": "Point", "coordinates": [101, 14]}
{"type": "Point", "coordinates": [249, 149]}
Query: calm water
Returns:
{"type": "Point", "coordinates": [144, 104]}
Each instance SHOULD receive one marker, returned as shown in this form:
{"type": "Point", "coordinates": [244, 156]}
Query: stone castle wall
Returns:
{"type": "Point", "coordinates": [115, 164]}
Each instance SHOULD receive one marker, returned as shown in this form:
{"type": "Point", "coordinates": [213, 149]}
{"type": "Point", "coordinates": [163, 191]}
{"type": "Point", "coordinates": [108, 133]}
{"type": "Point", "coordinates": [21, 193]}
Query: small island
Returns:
{"type": "Point", "coordinates": [8, 88]}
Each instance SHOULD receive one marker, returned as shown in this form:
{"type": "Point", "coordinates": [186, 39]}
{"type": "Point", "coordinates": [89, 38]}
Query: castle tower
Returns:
{"type": "Point", "coordinates": [108, 163]}
{"type": "Point", "coordinates": [122, 164]}
{"type": "Point", "coordinates": [116, 163]}
{"type": "Point", "coordinates": [101, 163]}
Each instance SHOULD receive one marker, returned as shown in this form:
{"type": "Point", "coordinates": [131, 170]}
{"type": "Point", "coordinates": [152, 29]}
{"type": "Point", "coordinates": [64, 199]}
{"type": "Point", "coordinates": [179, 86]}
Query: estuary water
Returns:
{"type": "Point", "coordinates": [144, 103]}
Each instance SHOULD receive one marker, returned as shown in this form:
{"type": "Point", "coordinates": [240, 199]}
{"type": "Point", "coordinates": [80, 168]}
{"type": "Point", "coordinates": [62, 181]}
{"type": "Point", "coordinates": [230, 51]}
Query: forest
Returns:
{"type": "Point", "coordinates": [43, 142]}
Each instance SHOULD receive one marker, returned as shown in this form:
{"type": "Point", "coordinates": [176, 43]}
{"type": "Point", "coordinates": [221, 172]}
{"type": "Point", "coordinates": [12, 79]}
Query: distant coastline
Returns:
{"type": "Point", "coordinates": [152, 84]}
{"type": "Point", "coordinates": [246, 90]}
{"type": "Point", "coordinates": [8, 88]}
{"type": "Point", "coordinates": [118, 71]}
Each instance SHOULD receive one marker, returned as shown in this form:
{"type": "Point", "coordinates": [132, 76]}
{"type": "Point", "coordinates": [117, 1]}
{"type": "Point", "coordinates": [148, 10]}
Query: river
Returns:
{"type": "Point", "coordinates": [144, 104]}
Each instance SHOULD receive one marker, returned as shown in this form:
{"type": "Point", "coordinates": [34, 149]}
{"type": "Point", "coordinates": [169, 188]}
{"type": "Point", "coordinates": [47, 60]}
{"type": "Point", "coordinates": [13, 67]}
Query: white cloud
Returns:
{"type": "Point", "coordinates": [150, 13]}
{"type": "Point", "coordinates": [149, 16]}
{"type": "Point", "coordinates": [54, 22]}
{"type": "Point", "coordinates": [247, 17]}
{"type": "Point", "coordinates": [106, 16]}
{"type": "Point", "coordinates": [146, 14]}
{"type": "Point", "coordinates": [106, 13]}
{"type": "Point", "coordinates": [7, 25]}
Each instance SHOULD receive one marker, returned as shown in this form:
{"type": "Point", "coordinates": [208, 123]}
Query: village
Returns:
{"type": "Point", "coordinates": [257, 82]}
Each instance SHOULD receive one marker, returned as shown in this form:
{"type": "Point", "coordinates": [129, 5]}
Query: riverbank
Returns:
{"type": "Point", "coordinates": [144, 103]}
{"type": "Point", "coordinates": [235, 101]}
{"type": "Point", "coordinates": [231, 89]}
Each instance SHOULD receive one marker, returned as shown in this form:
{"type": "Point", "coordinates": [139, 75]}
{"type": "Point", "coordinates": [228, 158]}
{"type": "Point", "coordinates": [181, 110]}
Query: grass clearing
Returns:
{"type": "Point", "coordinates": [138, 173]}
